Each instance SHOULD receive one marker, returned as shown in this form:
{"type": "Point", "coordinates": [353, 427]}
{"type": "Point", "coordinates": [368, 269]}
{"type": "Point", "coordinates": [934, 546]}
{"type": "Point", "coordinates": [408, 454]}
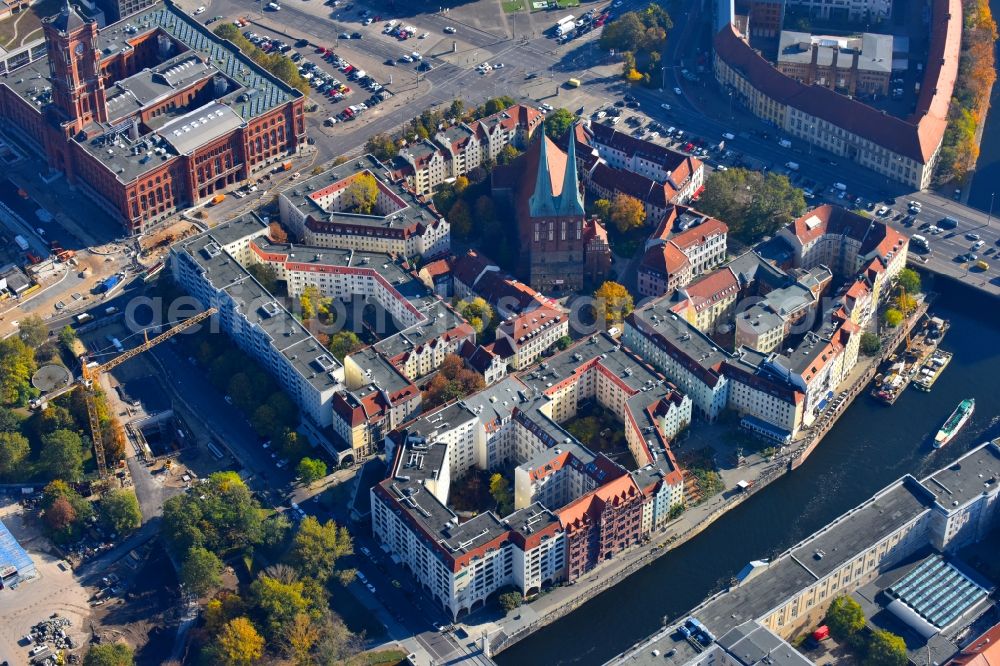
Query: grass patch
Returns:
{"type": "Point", "coordinates": [379, 658]}
{"type": "Point", "coordinates": [512, 6]}
{"type": "Point", "coordinates": [30, 22]}
{"type": "Point", "coordinates": [563, 4]}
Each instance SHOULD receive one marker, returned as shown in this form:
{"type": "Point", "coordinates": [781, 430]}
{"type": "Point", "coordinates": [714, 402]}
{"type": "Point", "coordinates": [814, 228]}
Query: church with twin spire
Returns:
{"type": "Point", "coordinates": [561, 248]}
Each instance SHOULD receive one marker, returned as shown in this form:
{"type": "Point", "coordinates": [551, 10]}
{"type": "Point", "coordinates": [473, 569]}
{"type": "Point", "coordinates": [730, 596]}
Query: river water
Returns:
{"type": "Point", "coordinates": [986, 180]}
{"type": "Point", "coordinates": [868, 448]}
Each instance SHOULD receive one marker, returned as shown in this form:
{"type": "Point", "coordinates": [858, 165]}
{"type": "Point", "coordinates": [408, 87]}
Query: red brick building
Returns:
{"type": "Point", "coordinates": [601, 524]}
{"type": "Point", "coordinates": [149, 115]}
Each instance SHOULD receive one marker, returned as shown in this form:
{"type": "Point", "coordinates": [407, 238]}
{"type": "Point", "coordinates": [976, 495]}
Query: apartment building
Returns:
{"type": "Point", "coordinates": [568, 496]}
{"type": "Point", "coordinates": [458, 149]}
{"type": "Point", "coordinates": [849, 244]}
{"type": "Point", "coordinates": [873, 11]}
{"type": "Point", "coordinates": [210, 267]}
{"type": "Point", "coordinates": [903, 149]}
{"type": "Point", "coordinates": [684, 245]}
{"type": "Point", "coordinates": [766, 323]}
{"type": "Point", "coordinates": [709, 301]}
{"type": "Point", "coordinates": [532, 333]}
{"type": "Point", "coordinates": [322, 211]}
{"type": "Point", "coordinates": [771, 602]}
{"type": "Point", "coordinates": [683, 174]}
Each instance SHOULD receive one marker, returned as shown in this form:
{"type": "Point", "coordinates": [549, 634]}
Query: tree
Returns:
{"type": "Point", "coordinates": [201, 572]}
{"type": "Point", "coordinates": [17, 364]}
{"type": "Point", "coordinates": [870, 344]}
{"type": "Point", "coordinates": [343, 343]}
{"type": "Point", "coordinates": [60, 515]}
{"type": "Point", "coordinates": [33, 331]}
{"type": "Point", "coordinates": [460, 218]}
{"type": "Point", "coordinates": [510, 600]}
{"type": "Point", "coordinates": [14, 449]}
{"type": "Point", "coordinates": [362, 193]}
{"type": "Point", "coordinates": [119, 511]}
{"type": "Point", "coordinates": [9, 420]}
{"type": "Point", "coordinates": [308, 301]}
{"type": "Point", "coordinates": [909, 280]}
{"type": "Point", "coordinates": [222, 517]}
{"type": "Point", "coordinates": [886, 649]}
{"type": "Point", "coordinates": [301, 635]}
{"type": "Point", "coordinates": [500, 491]}
{"type": "Point", "coordinates": [239, 643]}
{"type": "Point", "coordinates": [382, 146]}
{"type": "Point", "coordinates": [602, 209]}
{"type": "Point", "coordinates": [564, 342]}
{"type": "Point", "coordinates": [265, 274]}
{"type": "Point", "coordinates": [278, 603]}
{"type": "Point", "coordinates": [109, 654]}
{"type": "Point", "coordinates": [317, 547]}
{"type": "Point", "coordinates": [845, 617]}
{"type": "Point", "coordinates": [557, 123]}
{"type": "Point", "coordinates": [62, 455]}
{"type": "Point", "coordinates": [905, 303]}
{"type": "Point", "coordinates": [456, 110]}
{"type": "Point", "coordinates": [477, 312]}
{"type": "Point", "coordinates": [311, 470]}
{"type": "Point", "coordinates": [614, 302]}
{"type": "Point", "coordinates": [67, 336]}
{"type": "Point", "coordinates": [893, 317]}
{"type": "Point", "coordinates": [752, 204]}
{"type": "Point", "coordinates": [452, 381]}
{"type": "Point", "coordinates": [627, 213]}
{"type": "Point", "coordinates": [461, 184]}
{"type": "Point", "coordinates": [508, 154]}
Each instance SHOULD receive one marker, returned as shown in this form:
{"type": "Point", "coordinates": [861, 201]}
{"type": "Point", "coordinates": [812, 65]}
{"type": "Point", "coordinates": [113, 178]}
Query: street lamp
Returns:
{"type": "Point", "coordinates": [990, 214]}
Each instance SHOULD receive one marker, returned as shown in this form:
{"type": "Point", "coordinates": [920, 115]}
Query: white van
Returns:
{"type": "Point", "coordinates": [728, 136]}
{"type": "Point", "coordinates": [840, 186]}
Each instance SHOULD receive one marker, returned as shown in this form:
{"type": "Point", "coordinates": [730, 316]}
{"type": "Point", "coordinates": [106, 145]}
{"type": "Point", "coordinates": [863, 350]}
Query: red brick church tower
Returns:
{"type": "Point", "coordinates": [75, 66]}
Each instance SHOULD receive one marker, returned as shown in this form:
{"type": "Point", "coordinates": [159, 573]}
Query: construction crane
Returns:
{"type": "Point", "coordinates": [92, 372]}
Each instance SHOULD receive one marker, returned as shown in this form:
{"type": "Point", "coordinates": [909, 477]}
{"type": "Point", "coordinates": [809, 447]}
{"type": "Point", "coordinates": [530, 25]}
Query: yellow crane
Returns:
{"type": "Point", "coordinates": [92, 372]}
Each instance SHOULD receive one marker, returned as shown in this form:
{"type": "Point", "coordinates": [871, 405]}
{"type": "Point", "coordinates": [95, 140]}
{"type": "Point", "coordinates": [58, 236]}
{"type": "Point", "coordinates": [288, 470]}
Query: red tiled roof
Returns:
{"type": "Point", "coordinates": [437, 268]}
{"type": "Point", "coordinates": [714, 286]}
{"type": "Point", "coordinates": [984, 651]}
{"type": "Point", "coordinates": [523, 326]}
{"type": "Point", "coordinates": [644, 189]}
{"type": "Point", "coordinates": [697, 235]}
{"type": "Point", "coordinates": [665, 258]}
{"type": "Point", "coordinates": [619, 490]}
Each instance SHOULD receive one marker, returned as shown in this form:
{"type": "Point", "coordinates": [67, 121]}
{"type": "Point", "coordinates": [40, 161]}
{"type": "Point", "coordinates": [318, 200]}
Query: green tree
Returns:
{"type": "Point", "coordinates": [845, 617]}
{"type": "Point", "coordinates": [109, 654]}
{"type": "Point", "coordinates": [343, 343]}
{"type": "Point", "coordinates": [278, 603]}
{"type": "Point", "coordinates": [870, 344]}
{"type": "Point", "coordinates": [886, 649]}
{"type": "Point", "coordinates": [222, 517]}
{"type": "Point", "coordinates": [33, 331]}
{"type": "Point", "coordinates": [602, 209]}
{"type": "Point", "coordinates": [239, 643]}
{"type": "Point", "coordinates": [201, 572]}
{"type": "Point", "coordinates": [362, 193]}
{"type": "Point", "coordinates": [564, 342]}
{"type": "Point", "coordinates": [460, 219]}
{"type": "Point", "coordinates": [311, 470]}
{"type": "Point", "coordinates": [752, 204]}
{"type": "Point", "coordinates": [500, 491]}
{"type": "Point", "coordinates": [477, 312]}
{"type": "Point", "coordinates": [119, 511]}
{"type": "Point", "coordinates": [510, 600]}
{"type": "Point", "coordinates": [9, 420]}
{"type": "Point", "coordinates": [14, 449]}
{"type": "Point", "coordinates": [62, 455]}
{"type": "Point", "coordinates": [627, 213]}
{"type": "Point", "coordinates": [17, 364]}
{"type": "Point", "coordinates": [382, 146]}
{"type": "Point", "coordinates": [909, 280]}
{"type": "Point", "coordinates": [317, 547]}
{"type": "Point", "coordinates": [265, 274]}
{"type": "Point", "coordinates": [456, 110]}
{"type": "Point", "coordinates": [508, 154]}
{"type": "Point", "coordinates": [613, 303]}
{"type": "Point", "coordinates": [557, 123]}
{"type": "Point", "coordinates": [893, 317]}
{"type": "Point", "coordinates": [67, 336]}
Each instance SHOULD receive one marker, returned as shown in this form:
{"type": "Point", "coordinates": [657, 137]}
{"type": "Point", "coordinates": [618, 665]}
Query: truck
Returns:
{"type": "Point", "coordinates": [286, 166]}
{"type": "Point", "coordinates": [793, 166]}
{"type": "Point", "coordinates": [573, 83]}
{"type": "Point", "coordinates": [108, 284]}
{"type": "Point", "coordinates": [21, 242]}
{"type": "Point", "coordinates": [83, 317]}
{"type": "Point", "coordinates": [564, 29]}
{"type": "Point", "coordinates": [784, 143]}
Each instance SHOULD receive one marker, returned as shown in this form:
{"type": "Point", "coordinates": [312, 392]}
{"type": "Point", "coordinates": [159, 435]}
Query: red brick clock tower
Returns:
{"type": "Point", "coordinates": [75, 67]}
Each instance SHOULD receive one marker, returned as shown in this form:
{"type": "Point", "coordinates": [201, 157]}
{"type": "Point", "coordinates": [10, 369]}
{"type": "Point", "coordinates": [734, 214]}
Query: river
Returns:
{"type": "Point", "coordinates": [986, 180]}
{"type": "Point", "coordinates": [870, 446]}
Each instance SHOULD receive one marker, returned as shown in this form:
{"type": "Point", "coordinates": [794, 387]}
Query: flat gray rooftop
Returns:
{"type": "Point", "coordinates": [973, 474]}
